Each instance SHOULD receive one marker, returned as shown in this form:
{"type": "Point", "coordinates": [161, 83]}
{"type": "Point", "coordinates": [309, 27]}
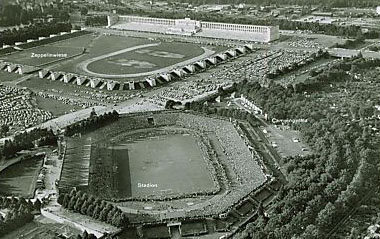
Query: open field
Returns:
{"type": "Point", "coordinates": [151, 163]}
{"type": "Point", "coordinates": [56, 107]}
{"type": "Point", "coordinates": [35, 56]}
{"type": "Point", "coordinates": [146, 59]}
{"type": "Point", "coordinates": [20, 178]}
{"type": "Point", "coordinates": [172, 163]}
{"type": "Point", "coordinates": [287, 141]}
{"type": "Point", "coordinates": [6, 76]}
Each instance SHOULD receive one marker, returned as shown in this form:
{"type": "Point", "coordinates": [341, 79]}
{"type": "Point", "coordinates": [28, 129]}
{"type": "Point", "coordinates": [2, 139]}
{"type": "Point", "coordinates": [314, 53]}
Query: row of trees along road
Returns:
{"type": "Point", "coordinates": [96, 208]}
{"type": "Point", "coordinates": [27, 140]}
{"type": "Point", "coordinates": [92, 123]}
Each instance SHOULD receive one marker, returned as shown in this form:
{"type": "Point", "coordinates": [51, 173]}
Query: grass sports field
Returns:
{"type": "Point", "coordinates": [20, 178]}
{"type": "Point", "coordinates": [145, 58]}
{"type": "Point", "coordinates": [168, 164]}
{"type": "Point", "coordinates": [151, 165]}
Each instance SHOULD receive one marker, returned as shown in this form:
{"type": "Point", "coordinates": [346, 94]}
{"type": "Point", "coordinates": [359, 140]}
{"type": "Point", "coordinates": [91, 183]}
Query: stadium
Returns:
{"type": "Point", "coordinates": [164, 166]}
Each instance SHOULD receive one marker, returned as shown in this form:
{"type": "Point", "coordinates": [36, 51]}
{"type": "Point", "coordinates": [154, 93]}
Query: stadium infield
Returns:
{"type": "Point", "coordinates": [150, 164]}
{"type": "Point", "coordinates": [168, 164]}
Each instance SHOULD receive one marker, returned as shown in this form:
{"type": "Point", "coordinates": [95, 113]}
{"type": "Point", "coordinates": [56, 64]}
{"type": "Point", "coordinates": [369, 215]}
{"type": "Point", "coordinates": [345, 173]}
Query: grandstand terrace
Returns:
{"type": "Point", "coordinates": [188, 26]}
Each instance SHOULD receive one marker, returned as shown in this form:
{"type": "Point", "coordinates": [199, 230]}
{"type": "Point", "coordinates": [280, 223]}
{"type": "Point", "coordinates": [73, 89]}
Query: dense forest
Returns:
{"type": "Point", "coordinates": [12, 15]}
{"type": "Point", "coordinates": [9, 37]}
{"type": "Point", "coordinates": [323, 187]}
{"type": "Point", "coordinates": [19, 213]}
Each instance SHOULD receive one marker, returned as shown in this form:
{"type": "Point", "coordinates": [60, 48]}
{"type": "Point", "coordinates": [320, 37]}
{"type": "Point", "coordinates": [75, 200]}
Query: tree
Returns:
{"type": "Point", "coordinates": [37, 205]}
{"type": "Point", "coordinates": [120, 220]}
{"type": "Point", "coordinates": [84, 207]}
{"type": "Point", "coordinates": [311, 232]}
{"type": "Point", "coordinates": [84, 11]}
{"type": "Point", "coordinates": [90, 210]}
{"type": "Point", "coordinates": [104, 214]}
{"type": "Point", "coordinates": [66, 200]}
{"type": "Point", "coordinates": [85, 235]}
{"type": "Point", "coordinates": [96, 212]}
{"type": "Point", "coordinates": [326, 217]}
{"type": "Point", "coordinates": [4, 130]}
{"type": "Point", "coordinates": [78, 205]}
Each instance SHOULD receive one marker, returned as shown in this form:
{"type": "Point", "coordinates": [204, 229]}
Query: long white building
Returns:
{"type": "Point", "coordinates": [188, 26]}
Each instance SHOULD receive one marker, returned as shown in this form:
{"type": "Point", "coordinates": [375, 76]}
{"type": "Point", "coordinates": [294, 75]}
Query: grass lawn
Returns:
{"type": "Point", "coordinates": [146, 59]}
{"type": "Point", "coordinates": [20, 178]}
{"type": "Point", "coordinates": [6, 76]}
{"type": "Point", "coordinates": [287, 140]}
{"type": "Point", "coordinates": [56, 107]}
{"type": "Point", "coordinates": [96, 47]}
{"type": "Point", "coordinates": [173, 163]}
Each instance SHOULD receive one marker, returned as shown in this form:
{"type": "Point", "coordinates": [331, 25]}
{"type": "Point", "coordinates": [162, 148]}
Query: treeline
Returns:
{"type": "Point", "coordinates": [284, 24]}
{"type": "Point", "coordinates": [91, 123]}
{"type": "Point", "coordinates": [14, 14]}
{"type": "Point", "coordinates": [27, 140]}
{"type": "Point", "coordinates": [286, 69]}
{"type": "Point", "coordinates": [10, 36]}
{"type": "Point", "coordinates": [350, 44]}
{"type": "Point", "coordinates": [86, 235]}
{"type": "Point", "coordinates": [207, 108]}
{"type": "Point", "coordinates": [337, 72]}
{"type": "Point", "coordinates": [100, 20]}
{"type": "Point", "coordinates": [84, 204]}
{"type": "Point", "coordinates": [19, 213]}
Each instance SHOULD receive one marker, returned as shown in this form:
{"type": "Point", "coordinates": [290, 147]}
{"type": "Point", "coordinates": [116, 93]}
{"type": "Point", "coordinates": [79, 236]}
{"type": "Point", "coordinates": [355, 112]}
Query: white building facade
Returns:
{"type": "Point", "coordinates": [188, 26]}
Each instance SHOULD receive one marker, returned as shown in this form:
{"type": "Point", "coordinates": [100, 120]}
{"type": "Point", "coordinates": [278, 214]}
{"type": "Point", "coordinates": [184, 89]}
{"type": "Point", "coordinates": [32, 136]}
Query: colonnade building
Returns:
{"type": "Point", "coordinates": [191, 27]}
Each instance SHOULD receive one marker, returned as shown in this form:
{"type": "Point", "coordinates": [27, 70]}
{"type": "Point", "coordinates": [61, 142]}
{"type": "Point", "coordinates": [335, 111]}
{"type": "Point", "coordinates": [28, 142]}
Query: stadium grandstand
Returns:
{"type": "Point", "coordinates": [191, 27]}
